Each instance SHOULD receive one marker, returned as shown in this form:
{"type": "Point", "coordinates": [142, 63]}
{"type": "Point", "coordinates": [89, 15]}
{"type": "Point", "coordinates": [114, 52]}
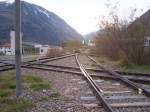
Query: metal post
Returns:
{"type": "Point", "coordinates": [17, 46]}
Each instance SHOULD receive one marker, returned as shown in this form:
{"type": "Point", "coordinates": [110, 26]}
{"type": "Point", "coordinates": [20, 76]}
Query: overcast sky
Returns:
{"type": "Point", "coordinates": [83, 15]}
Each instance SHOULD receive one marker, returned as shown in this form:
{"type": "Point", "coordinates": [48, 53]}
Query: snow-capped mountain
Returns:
{"type": "Point", "coordinates": [38, 25]}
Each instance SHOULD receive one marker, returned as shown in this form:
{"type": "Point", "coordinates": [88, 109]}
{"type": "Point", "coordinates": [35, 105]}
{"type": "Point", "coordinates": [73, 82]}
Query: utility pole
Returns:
{"type": "Point", "coordinates": [17, 46]}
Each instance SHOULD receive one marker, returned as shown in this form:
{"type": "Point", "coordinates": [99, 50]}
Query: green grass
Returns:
{"type": "Point", "coordinates": [137, 68]}
{"type": "Point", "coordinates": [120, 65]}
{"type": "Point", "coordinates": [44, 98]}
{"type": "Point", "coordinates": [12, 105]}
{"type": "Point", "coordinates": [8, 102]}
{"type": "Point", "coordinates": [53, 96]}
{"type": "Point", "coordinates": [40, 86]}
{"type": "Point", "coordinates": [36, 83]}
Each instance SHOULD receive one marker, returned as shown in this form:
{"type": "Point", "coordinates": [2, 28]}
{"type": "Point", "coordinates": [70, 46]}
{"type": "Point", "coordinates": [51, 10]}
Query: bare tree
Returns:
{"type": "Point", "coordinates": [121, 38]}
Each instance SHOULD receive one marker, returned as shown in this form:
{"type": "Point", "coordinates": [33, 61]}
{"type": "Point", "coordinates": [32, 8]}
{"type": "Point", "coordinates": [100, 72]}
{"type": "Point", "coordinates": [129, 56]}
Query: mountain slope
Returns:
{"type": "Point", "coordinates": [38, 25]}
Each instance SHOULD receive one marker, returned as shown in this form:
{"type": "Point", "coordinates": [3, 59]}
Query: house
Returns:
{"type": "Point", "coordinates": [147, 41]}
{"type": "Point", "coordinates": [27, 47]}
{"type": "Point", "coordinates": [6, 49]}
{"type": "Point", "coordinates": [35, 47]}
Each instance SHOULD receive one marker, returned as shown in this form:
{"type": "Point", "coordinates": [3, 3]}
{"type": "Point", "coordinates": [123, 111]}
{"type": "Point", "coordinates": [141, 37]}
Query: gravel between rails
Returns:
{"type": "Point", "coordinates": [86, 62]}
{"type": "Point", "coordinates": [71, 87]}
{"type": "Point", "coordinates": [69, 61]}
{"type": "Point", "coordinates": [116, 85]}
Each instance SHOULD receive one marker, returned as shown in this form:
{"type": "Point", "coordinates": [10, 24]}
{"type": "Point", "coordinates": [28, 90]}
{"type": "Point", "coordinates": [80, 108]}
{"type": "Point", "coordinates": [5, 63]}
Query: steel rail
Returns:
{"type": "Point", "coordinates": [133, 73]}
{"type": "Point", "coordinates": [61, 57]}
{"type": "Point", "coordinates": [6, 65]}
{"type": "Point", "coordinates": [42, 60]}
{"type": "Point", "coordinates": [123, 79]}
{"type": "Point", "coordinates": [96, 70]}
{"type": "Point", "coordinates": [57, 66]}
{"type": "Point", "coordinates": [123, 72]}
{"type": "Point", "coordinates": [94, 86]}
{"type": "Point", "coordinates": [47, 60]}
{"type": "Point", "coordinates": [50, 69]}
{"type": "Point", "coordinates": [27, 63]}
{"type": "Point", "coordinates": [35, 60]}
{"type": "Point", "coordinates": [6, 69]}
{"type": "Point", "coordinates": [79, 73]}
{"type": "Point", "coordinates": [143, 81]}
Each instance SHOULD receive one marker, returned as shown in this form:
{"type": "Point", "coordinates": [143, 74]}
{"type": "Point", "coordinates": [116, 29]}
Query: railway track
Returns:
{"type": "Point", "coordinates": [74, 86]}
{"type": "Point", "coordinates": [116, 95]}
{"type": "Point", "coordinates": [110, 90]}
{"type": "Point", "coordinates": [40, 64]}
{"type": "Point", "coordinates": [137, 77]}
{"type": "Point", "coordinates": [95, 72]}
{"type": "Point", "coordinates": [128, 98]}
{"type": "Point", "coordinates": [5, 65]}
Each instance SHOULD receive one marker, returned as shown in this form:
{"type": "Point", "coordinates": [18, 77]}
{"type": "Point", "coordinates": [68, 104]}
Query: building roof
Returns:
{"type": "Point", "coordinates": [6, 45]}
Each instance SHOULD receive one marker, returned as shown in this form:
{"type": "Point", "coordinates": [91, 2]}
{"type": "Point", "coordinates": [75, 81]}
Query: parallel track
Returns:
{"type": "Point", "coordinates": [99, 92]}
{"type": "Point", "coordinates": [138, 79]}
{"type": "Point", "coordinates": [123, 79]}
{"type": "Point", "coordinates": [8, 66]}
{"type": "Point", "coordinates": [126, 96]}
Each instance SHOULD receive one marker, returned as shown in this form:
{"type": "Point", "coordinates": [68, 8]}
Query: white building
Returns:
{"type": "Point", "coordinates": [91, 43]}
{"type": "Point", "coordinates": [147, 41]}
{"type": "Point", "coordinates": [9, 48]}
{"type": "Point", "coordinates": [43, 49]}
{"type": "Point", "coordinates": [5, 51]}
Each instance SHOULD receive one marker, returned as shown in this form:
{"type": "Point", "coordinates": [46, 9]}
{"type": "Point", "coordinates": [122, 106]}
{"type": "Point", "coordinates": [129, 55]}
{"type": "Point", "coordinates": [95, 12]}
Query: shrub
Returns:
{"type": "Point", "coordinates": [54, 52]}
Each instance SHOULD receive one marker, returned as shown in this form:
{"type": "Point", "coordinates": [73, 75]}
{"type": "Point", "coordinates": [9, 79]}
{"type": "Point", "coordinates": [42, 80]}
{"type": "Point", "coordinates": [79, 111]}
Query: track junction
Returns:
{"type": "Point", "coordinates": [109, 90]}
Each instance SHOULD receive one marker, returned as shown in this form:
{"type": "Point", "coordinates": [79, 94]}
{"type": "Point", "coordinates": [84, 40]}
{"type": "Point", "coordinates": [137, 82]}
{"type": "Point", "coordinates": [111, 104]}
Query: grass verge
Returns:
{"type": "Point", "coordinates": [8, 102]}
{"type": "Point", "coordinates": [137, 68]}
{"type": "Point", "coordinates": [119, 65]}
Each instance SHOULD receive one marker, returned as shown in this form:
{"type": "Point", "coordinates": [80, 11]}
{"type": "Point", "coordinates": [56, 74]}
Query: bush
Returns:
{"type": "Point", "coordinates": [72, 46]}
{"type": "Point", "coordinates": [122, 40]}
{"type": "Point", "coordinates": [54, 52]}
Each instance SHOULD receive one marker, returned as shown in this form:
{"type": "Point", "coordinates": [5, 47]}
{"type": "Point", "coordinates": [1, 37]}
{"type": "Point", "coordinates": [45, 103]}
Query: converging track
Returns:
{"type": "Point", "coordinates": [93, 85]}
{"type": "Point", "coordinates": [119, 95]}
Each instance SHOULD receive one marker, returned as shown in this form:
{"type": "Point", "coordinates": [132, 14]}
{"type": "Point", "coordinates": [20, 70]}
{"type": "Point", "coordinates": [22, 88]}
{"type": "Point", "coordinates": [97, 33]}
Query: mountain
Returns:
{"type": "Point", "coordinates": [90, 35]}
{"type": "Point", "coordinates": [38, 25]}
